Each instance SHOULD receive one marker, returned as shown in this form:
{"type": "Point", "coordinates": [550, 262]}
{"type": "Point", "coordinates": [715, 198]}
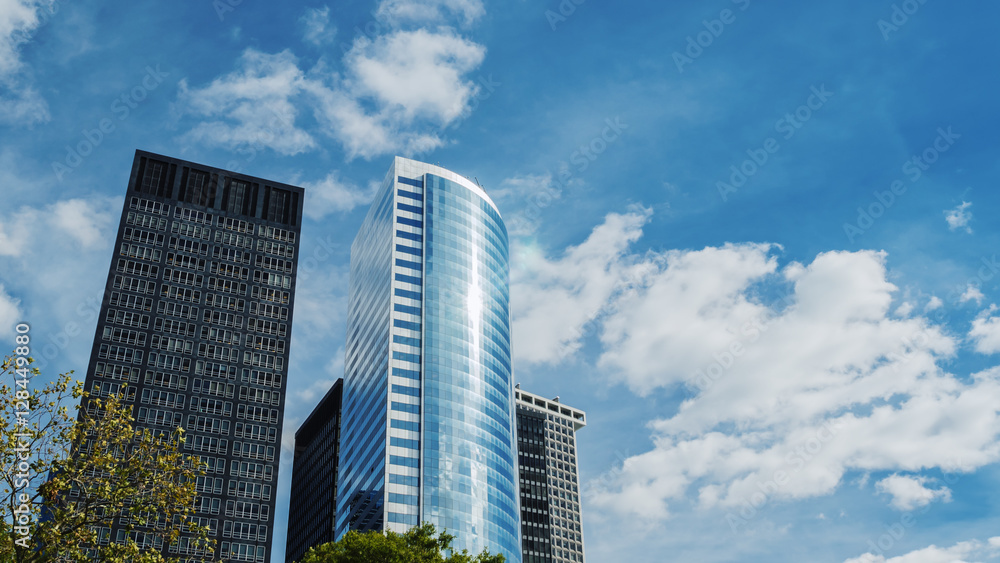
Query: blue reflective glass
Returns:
{"type": "Point", "coordinates": [403, 499]}
{"type": "Point", "coordinates": [410, 236]}
{"type": "Point", "coordinates": [404, 443]}
{"type": "Point", "coordinates": [410, 208]}
{"type": "Point", "coordinates": [404, 407]}
{"type": "Point", "coordinates": [409, 279]}
{"type": "Point", "coordinates": [405, 324]}
{"type": "Point", "coordinates": [452, 327]}
{"type": "Point", "coordinates": [410, 181]}
{"type": "Point", "coordinates": [407, 340]}
{"type": "Point", "coordinates": [409, 264]}
{"type": "Point", "coordinates": [412, 358]}
{"type": "Point", "coordinates": [469, 473]}
{"type": "Point", "coordinates": [404, 390]}
{"type": "Point", "coordinates": [409, 481]}
{"type": "Point", "coordinates": [408, 250]}
{"type": "Point", "coordinates": [405, 425]}
{"type": "Point", "coordinates": [406, 309]}
{"type": "Point", "coordinates": [409, 194]}
{"type": "Point", "coordinates": [408, 294]}
{"type": "Point", "coordinates": [408, 519]}
{"type": "Point", "coordinates": [410, 222]}
{"type": "Point", "coordinates": [409, 373]}
{"type": "Point", "coordinates": [404, 461]}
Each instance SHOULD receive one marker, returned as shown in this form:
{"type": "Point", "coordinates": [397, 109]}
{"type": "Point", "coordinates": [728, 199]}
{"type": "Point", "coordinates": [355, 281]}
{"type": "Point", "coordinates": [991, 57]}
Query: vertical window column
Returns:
{"type": "Point", "coordinates": [403, 489]}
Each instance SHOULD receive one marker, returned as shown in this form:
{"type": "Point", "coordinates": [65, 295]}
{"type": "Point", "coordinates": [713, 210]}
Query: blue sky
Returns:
{"type": "Point", "coordinates": [751, 240]}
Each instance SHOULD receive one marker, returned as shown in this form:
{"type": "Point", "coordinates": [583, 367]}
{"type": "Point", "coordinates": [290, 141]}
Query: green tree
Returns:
{"type": "Point", "coordinates": [86, 469]}
{"type": "Point", "coordinates": [418, 545]}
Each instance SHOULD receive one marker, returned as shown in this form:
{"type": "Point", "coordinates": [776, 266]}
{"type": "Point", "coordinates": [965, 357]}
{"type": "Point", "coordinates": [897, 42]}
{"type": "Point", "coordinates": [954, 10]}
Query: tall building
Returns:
{"type": "Point", "coordinates": [428, 414]}
{"type": "Point", "coordinates": [196, 319]}
{"type": "Point", "coordinates": [550, 489]}
{"type": "Point", "coordinates": [313, 502]}
{"type": "Point", "coordinates": [551, 525]}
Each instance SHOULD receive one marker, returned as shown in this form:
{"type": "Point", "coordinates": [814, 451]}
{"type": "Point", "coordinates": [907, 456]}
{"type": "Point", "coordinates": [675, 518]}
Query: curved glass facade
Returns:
{"type": "Point", "coordinates": [428, 425]}
{"type": "Point", "coordinates": [469, 476]}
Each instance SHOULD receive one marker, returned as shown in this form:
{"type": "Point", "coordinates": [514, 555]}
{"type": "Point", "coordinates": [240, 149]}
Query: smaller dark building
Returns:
{"type": "Point", "coordinates": [313, 503]}
{"type": "Point", "coordinates": [551, 527]}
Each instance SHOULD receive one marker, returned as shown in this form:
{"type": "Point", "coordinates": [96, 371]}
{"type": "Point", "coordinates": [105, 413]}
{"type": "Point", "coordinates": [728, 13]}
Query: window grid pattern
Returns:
{"type": "Point", "coordinates": [156, 358]}
{"type": "Point", "coordinates": [404, 385]}
{"type": "Point", "coordinates": [552, 529]}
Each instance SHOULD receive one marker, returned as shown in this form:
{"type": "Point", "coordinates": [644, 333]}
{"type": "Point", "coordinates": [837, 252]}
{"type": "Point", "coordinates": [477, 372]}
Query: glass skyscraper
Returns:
{"type": "Point", "coordinates": [428, 408]}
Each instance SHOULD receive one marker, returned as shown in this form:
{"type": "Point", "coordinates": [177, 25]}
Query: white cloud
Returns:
{"type": "Point", "coordinates": [396, 93]}
{"type": "Point", "coordinates": [15, 231]}
{"type": "Point", "coordinates": [416, 73]}
{"type": "Point", "coordinates": [332, 194]}
{"type": "Point", "coordinates": [302, 402]}
{"type": "Point", "coordinates": [87, 222]}
{"type": "Point", "coordinates": [524, 187]}
{"type": "Point", "coordinates": [528, 196]}
{"type": "Point", "coordinates": [934, 303]}
{"type": "Point", "coordinates": [367, 134]}
{"type": "Point", "coordinates": [75, 238]}
{"type": "Point", "coordinates": [555, 303]}
{"type": "Point", "coordinates": [20, 103]}
{"type": "Point", "coordinates": [23, 105]}
{"type": "Point", "coordinates": [904, 309]}
{"type": "Point", "coordinates": [307, 397]}
{"type": "Point", "coordinates": [399, 12]}
{"type": "Point", "coordinates": [396, 89]}
{"type": "Point", "coordinates": [18, 20]}
{"type": "Point", "coordinates": [959, 217]}
{"type": "Point", "coordinates": [253, 106]}
{"type": "Point", "coordinates": [910, 492]}
{"type": "Point", "coordinates": [320, 302]}
{"type": "Point", "coordinates": [972, 293]}
{"type": "Point", "coordinates": [985, 332]}
{"type": "Point", "coordinates": [316, 26]}
{"type": "Point", "coordinates": [787, 396]}
{"type": "Point", "coordinates": [10, 313]}
{"type": "Point", "coordinates": [82, 220]}
{"type": "Point", "coordinates": [962, 552]}
{"type": "Point", "coordinates": [291, 426]}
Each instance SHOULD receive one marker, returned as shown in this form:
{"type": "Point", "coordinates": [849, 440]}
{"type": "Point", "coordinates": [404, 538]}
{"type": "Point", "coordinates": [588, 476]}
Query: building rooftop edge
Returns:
{"type": "Point", "coordinates": [454, 177]}
{"type": "Point", "coordinates": [219, 170]}
{"type": "Point", "coordinates": [551, 406]}
{"type": "Point", "coordinates": [314, 414]}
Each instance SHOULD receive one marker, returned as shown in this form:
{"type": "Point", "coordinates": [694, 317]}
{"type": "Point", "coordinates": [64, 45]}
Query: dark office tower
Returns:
{"type": "Point", "coordinates": [550, 494]}
{"type": "Point", "coordinates": [196, 319]}
{"type": "Point", "coordinates": [428, 433]}
{"type": "Point", "coordinates": [313, 503]}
